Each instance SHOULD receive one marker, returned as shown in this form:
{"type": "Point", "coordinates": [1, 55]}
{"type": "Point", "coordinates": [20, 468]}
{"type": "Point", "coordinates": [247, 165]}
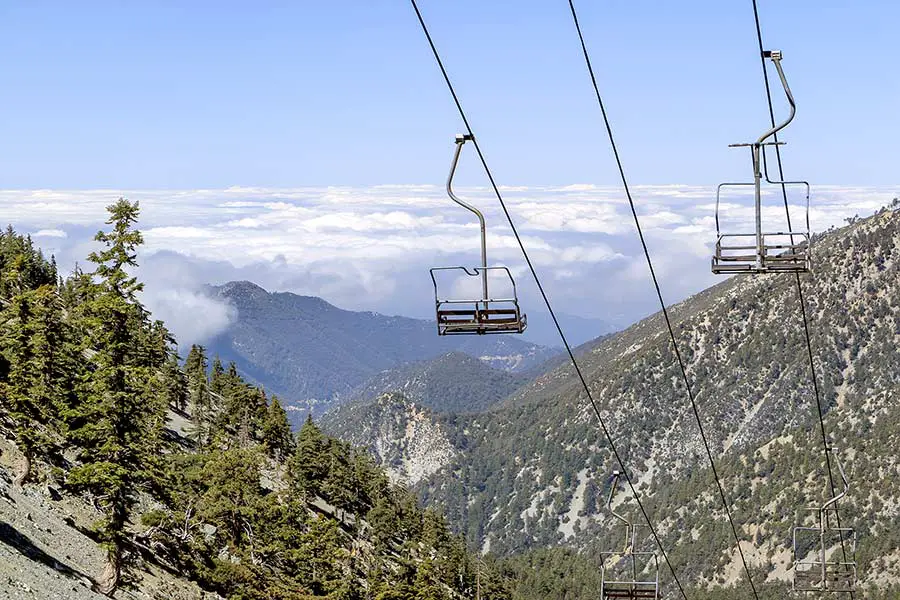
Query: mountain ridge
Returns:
{"type": "Point", "coordinates": [291, 344]}
{"type": "Point", "coordinates": [454, 382]}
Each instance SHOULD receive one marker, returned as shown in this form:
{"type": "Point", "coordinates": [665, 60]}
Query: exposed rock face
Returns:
{"type": "Point", "coordinates": [404, 437]}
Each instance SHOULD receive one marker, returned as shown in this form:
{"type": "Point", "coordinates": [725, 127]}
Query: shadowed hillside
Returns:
{"type": "Point", "coordinates": [311, 352]}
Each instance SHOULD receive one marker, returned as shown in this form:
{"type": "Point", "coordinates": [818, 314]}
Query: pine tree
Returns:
{"type": "Point", "coordinates": [217, 381]}
{"type": "Point", "coordinates": [118, 419]}
{"type": "Point", "coordinates": [233, 496]}
{"type": "Point", "coordinates": [195, 369]}
{"type": "Point", "coordinates": [32, 340]}
{"type": "Point", "coordinates": [276, 431]}
{"type": "Point", "coordinates": [176, 384]}
{"type": "Point", "coordinates": [25, 414]}
{"type": "Point", "coordinates": [310, 463]}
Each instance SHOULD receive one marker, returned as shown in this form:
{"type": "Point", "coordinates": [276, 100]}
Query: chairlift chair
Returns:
{"type": "Point", "coordinates": [627, 580]}
{"type": "Point", "coordinates": [763, 251]}
{"type": "Point", "coordinates": [816, 571]}
{"type": "Point", "coordinates": [478, 316]}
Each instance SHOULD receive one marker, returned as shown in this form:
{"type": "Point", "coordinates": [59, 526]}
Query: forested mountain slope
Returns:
{"type": "Point", "coordinates": [311, 352]}
{"type": "Point", "coordinates": [532, 472]}
{"type": "Point", "coordinates": [126, 474]}
{"type": "Point", "coordinates": [452, 383]}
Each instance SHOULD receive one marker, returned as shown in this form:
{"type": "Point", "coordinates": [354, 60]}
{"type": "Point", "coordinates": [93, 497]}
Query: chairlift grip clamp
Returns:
{"type": "Point", "coordinates": [462, 138]}
{"type": "Point", "coordinates": [773, 54]}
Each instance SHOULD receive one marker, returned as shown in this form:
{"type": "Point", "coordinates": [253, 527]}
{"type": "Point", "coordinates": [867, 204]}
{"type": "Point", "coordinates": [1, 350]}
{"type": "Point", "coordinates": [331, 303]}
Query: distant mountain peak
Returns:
{"type": "Point", "coordinates": [247, 290]}
{"type": "Point", "coordinates": [241, 288]}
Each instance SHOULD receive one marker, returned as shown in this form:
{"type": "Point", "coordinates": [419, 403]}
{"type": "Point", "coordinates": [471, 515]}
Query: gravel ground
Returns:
{"type": "Point", "coordinates": [44, 556]}
{"type": "Point", "coordinates": [41, 557]}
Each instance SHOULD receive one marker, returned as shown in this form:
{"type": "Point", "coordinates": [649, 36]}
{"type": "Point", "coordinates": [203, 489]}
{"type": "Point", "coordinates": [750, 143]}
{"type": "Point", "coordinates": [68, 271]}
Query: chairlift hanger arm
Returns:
{"type": "Point", "coordinates": [775, 56]}
{"type": "Point", "coordinates": [629, 530]}
{"type": "Point", "coordinates": [843, 479]}
{"type": "Point", "coordinates": [461, 139]}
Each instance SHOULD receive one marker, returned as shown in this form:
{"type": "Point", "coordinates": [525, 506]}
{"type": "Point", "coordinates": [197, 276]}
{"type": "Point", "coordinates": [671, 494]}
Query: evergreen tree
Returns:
{"type": "Point", "coordinates": [25, 414]}
{"type": "Point", "coordinates": [22, 266]}
{"type": "Point", "coordinates": [217, 381]}
{"type": "Point", "coordinates": [118, 419]}
{"type": "Point", "coordinates": [276, 431]}
{"type": "Point", "coordinates": [33, 344]}
{"type": "Point", "coordinates": [310, 463]}
{"type": "Point", "coordinates": [195, 369]}
{"type": "Point", "coordinates": [233, 495]}
{"type": "Point", "coordinates": [176, 384]}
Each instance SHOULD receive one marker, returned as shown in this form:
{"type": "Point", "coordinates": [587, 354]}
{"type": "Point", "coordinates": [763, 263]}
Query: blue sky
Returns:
{"type": "Point", "coordinates": [214, 94]}
{"type": "Point", "coordinates": [304, 144]}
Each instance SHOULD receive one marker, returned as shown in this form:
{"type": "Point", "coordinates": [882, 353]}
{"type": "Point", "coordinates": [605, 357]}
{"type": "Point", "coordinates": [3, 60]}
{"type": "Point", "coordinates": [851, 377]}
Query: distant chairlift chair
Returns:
{"type": "Point", "coordinates": [763, 252]}
{"type": "Point", "coordinates": [814, 570]}
{"type": "Point", "coordinates": [482, 315]}
{"type": "Point", "coordinates": [620, 570]}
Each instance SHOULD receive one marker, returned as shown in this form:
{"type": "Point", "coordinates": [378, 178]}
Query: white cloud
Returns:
{"type": "Point", "coordinates": [51, 233]}
{"type": "Point", "coordinates": [370, 248]}
{"type": "Point", "coordinates": [191, 315]}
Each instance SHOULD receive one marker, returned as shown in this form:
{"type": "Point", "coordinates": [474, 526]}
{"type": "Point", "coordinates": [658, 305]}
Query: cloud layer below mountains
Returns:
{"type": "Point", "coordinates": [370, 248]}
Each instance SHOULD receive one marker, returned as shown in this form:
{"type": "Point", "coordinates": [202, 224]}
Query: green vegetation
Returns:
{"type": "Point", "coordinates": [90, 386]}
{"type": "Point", "coordinates": [196, 470]}
{"type": "Point", "coordinates": [452, 383]}
{"type": "Point", "coordinates": [530, 472]}
{"type": "Point", "coordinates": [300, 361]}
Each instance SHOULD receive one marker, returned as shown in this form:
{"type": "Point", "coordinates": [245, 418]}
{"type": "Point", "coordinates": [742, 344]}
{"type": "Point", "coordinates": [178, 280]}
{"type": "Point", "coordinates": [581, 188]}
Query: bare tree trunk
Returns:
{"type": "Point", "coordinates": [109, 579]}
{"type": "Point", "coordinates": [23, 476]}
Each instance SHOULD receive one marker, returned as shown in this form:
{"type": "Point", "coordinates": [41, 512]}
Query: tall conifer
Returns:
{"type": "Point", "coordinates": [118, 419]}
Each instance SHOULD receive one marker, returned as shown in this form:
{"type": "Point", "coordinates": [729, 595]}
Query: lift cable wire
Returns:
{"type": "Point", "coordinates": [662, 303]}
{"type": "Point", "coordinates": [546, 299]}
{"type": "Point", "coordinates": [809, 350]}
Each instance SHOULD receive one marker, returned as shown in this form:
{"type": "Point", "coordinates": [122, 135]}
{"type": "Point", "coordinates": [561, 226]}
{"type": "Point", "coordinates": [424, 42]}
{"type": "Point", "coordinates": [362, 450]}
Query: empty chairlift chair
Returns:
{"type": "Point", "coordinates": [626, 573]}
{"type": "Point", "coordinates": [478, 315]}
{"type": "Point", "coordinates": [763, 251]}
{"type": "Point", "coordinates": [824, 555]}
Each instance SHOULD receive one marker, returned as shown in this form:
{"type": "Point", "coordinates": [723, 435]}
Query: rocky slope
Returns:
{"type": "Point", "coordinates": [530, 473]}
{"type": "Point", "coordinates": [47, 554]}
{"type": "Point", "coordinates": [310, 352]}
{"type": "Point", "coordinates": [404, 436]}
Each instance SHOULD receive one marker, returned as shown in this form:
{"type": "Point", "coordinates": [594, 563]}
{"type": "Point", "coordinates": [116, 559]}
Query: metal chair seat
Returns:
{"type": "Point", "coordinates": [630, 590]}
{"type": "Point", "coordinates": [776, 257]}
{"type": "Point", "coordinates": [480, 321]}
{"type": "Point", "coordinates": [486, 314]}
{"type": "Point", "coordinates": [776, 252]}
{"type": "Point", "coordinates": [839, 577]}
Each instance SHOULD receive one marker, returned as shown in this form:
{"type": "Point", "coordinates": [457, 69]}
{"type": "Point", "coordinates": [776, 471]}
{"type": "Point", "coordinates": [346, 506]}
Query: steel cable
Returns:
{"type": "Point", "coordinates": [803, 314]}
{"type": "Point", "coordinates": [546, 299]}
{"type": "Point", "coordinates": [662, 303]}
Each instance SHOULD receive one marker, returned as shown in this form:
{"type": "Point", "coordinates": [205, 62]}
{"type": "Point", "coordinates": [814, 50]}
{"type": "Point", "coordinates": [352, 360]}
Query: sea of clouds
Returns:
{"type": "Point", "coordinates": [370, 248]}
